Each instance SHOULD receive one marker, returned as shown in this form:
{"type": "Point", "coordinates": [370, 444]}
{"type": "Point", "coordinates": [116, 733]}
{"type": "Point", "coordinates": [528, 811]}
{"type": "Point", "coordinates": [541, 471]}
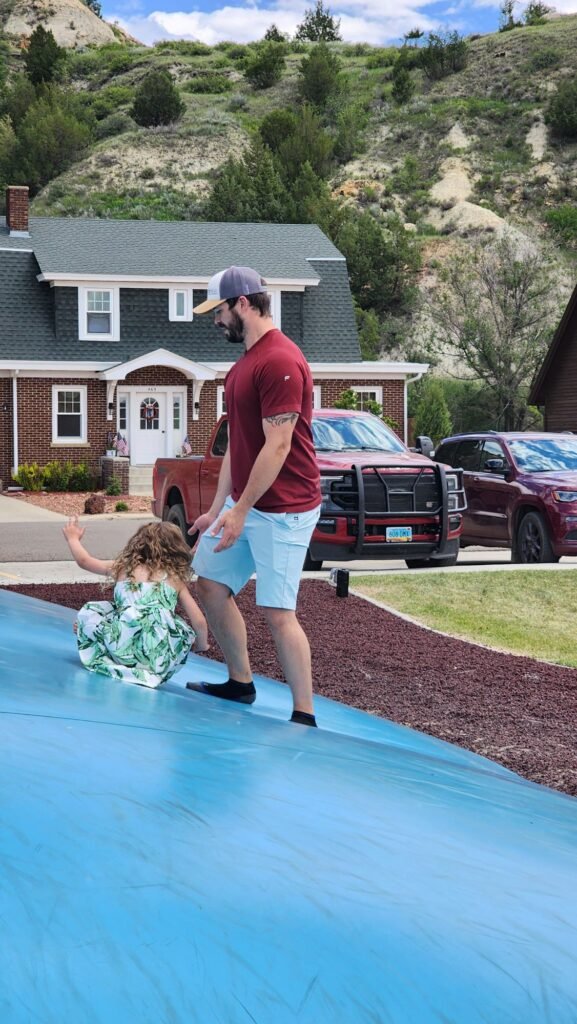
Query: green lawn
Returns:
{"type": "Point", "coordinates": [526, 612]}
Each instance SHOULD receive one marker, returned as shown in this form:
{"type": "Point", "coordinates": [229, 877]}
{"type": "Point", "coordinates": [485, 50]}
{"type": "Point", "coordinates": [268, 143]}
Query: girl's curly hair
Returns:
{"type": "Point", "coordinates": [160, 547]}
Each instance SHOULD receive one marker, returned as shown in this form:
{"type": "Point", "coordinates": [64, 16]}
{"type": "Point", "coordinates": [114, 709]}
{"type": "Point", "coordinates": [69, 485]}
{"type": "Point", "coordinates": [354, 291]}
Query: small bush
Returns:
{"type": "Point", "coordinates": [188, 48]}
{"type": "Point", "coordinates": [147, 173]}
{"type": "Point", "coordinates": [208, 83]}
{"type": "Point", "coordinates": [157, 101]}
{"type": "Point", "coordinates": [56, 476]}
{"type": "Point", "coordinates": [266, 66]}
{"type": "Point", "coordinates": [564, 223]}
{"type": "Point", "coordinates": [443, 55]}
{"type": "Point", "coordinates": [238, 51]}
{"type": "Point", "coordinates": [544, 59]}
{"type": "Point", "coordinates": [382, 57]}
{"type": "Point", "coordinates": [107, 101]}
{"type": "Point", "coordinates": [29, 476]}
{"type": "Point", "coordinates": [114, 487]}
{"type": "Point", "coordinates": [237, 102]}
{"type": "Point", "coordinates": [81, 477]}
{"type": "Point", "coordinates": [121, 506]}
{"type": "Point", "coordinates": [114, 124]}
{"type": "Point", "coordinates": [561, 114]}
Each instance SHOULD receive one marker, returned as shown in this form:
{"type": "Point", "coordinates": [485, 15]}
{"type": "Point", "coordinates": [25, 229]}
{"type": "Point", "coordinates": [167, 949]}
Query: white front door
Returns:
{"type": "Point", "coordinates": [149, 425]}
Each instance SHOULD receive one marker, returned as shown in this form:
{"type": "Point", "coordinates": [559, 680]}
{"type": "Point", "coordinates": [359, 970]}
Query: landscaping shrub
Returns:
{"type": "Point", "coordinates": [29, 476]}
{"type": "Point", "coordinates": [121, 506]}
{"type": "Point", "coordinates": [114, 487]}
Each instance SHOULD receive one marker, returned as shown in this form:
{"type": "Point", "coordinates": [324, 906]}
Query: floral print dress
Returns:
{"type": "Point", "coordinates": [136, 637]}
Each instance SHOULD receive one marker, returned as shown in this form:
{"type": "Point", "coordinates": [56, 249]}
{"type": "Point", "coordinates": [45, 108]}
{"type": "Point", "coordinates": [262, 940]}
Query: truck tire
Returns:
{"type": "Point", "coordinates": [311, 564]}
{"type": "Point", "coordinates": [431, 563]}
{"type": "Point", "coordinates": [176, 515]}
{"type": "Point", "coordinates": [532, 541]}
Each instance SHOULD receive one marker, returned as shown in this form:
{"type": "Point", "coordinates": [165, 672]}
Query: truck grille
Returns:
{"type": "Point", "coordinates": [386, 492]}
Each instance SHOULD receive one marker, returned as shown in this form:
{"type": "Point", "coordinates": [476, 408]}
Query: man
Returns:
{"type": "Point", "coordinates": [268, 496]}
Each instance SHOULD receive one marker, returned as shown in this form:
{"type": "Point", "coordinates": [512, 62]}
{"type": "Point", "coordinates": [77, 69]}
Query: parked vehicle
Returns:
{"type": "Point", "coordinates": [380, 499]}
{"type": "Point", "coordinates": [521, 491]}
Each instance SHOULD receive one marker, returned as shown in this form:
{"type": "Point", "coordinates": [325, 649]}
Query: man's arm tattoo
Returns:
{"type": "Point", "coordinates": [283, 417]}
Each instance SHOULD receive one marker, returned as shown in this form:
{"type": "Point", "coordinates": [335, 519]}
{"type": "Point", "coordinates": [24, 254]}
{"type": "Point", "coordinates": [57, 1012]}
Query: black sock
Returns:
{"type": "Point", "coordinates": [231, 690]}
{"type": "Point", "coordinates": [303, 718]}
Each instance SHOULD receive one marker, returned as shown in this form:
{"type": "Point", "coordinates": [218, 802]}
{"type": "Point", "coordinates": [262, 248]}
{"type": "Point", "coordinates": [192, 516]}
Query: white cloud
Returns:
{"type": "Point", "coordinates": [372, 21]}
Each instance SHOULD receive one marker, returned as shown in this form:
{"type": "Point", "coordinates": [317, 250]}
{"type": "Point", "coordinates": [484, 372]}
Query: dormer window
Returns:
{"type": "Point", "coordinates": [180, 303]}
{"type": "Point", "coordinates": [98, 314]}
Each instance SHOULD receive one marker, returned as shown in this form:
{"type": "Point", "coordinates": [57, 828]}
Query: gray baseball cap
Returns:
{"type": "Point", "coordinates": [229, 284]}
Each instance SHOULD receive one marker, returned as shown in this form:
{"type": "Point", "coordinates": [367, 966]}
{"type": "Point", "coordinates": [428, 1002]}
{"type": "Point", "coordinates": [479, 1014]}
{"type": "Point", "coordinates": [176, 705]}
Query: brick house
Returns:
{"type": "Point", "coordinates": [555, 386]}
{"type": "Point", "coordinates": [97, 334]}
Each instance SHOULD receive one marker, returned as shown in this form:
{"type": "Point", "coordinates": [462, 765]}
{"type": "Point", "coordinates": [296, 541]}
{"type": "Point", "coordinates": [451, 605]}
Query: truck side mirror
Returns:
{"type": "Point", "coordinates": [496, 466]}
{"type": "Point", "coordinates": [424, 445]}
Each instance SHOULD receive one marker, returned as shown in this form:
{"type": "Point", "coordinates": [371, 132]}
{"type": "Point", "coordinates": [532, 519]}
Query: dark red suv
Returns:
{"type": "Point", "coordinates": [521, 491]}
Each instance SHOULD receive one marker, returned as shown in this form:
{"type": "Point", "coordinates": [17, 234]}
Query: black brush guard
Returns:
{"type": "Point", "coordinates": [350, 491]}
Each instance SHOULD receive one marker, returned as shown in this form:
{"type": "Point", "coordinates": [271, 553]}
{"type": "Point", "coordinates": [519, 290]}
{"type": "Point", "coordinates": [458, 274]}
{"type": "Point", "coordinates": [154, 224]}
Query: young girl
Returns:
{"type": "Point", "coordinates": [137, 637]}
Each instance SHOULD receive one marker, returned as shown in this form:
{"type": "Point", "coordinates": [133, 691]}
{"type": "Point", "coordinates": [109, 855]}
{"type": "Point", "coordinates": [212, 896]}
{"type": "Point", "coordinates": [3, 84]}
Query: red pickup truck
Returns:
{"type": "Point", "coordinates": [380, 499]}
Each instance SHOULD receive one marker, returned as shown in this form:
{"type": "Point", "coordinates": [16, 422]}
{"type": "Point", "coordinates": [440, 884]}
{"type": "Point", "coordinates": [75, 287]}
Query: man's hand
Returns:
{"type": "Point", "coordinates": [202, 524]}
{"type": "Point", "coordinates": [230, 523]}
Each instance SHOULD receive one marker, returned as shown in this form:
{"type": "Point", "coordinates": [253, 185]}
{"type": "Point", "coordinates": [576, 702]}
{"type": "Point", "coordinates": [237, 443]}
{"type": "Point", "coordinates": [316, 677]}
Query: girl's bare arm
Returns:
{"type": "Point", "coordinates": [196, 618]}
{"type": "Point", "coordinates": [74, 533]}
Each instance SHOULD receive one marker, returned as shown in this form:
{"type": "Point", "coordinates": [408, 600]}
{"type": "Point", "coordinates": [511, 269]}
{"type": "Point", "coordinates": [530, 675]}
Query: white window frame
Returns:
{"type": "Point", "coordinates": [275, 307]}
{"type": "Point", "coordinates": [83, 333]}
{"type": "Point", "coordinates": [317, 396]}
{"type": "Point", "coordinates": [373, 389]}
{"type": "Point", "coordinates": [219, 401]}
{"type": "Point", "coordinates": [82, 438]}
{"type": "Point", "coordinates": [188, 305]}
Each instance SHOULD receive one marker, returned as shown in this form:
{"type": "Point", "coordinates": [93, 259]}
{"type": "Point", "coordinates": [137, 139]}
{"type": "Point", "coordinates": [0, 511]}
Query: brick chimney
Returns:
{"type": "Point", "coordinates": [17, 209]}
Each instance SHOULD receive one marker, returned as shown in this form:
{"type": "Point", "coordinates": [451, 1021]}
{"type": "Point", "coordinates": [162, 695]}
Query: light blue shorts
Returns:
{"type": "Point", "coordinates": [272, 544]}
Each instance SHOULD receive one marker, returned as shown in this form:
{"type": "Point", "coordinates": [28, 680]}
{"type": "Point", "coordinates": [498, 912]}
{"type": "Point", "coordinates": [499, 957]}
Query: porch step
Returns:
{"type": "Point", "coordinates": [140, 480]}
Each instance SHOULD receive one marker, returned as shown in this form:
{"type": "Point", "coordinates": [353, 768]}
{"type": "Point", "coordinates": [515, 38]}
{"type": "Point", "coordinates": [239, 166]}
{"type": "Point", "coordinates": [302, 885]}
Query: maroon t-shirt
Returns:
{"type": "Point", "coordinates": [271, 378]}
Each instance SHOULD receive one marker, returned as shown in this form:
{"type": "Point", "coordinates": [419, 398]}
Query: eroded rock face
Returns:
{"type": "Point", "coordinates": [95, 505]}
{"type": "Point", "coordinates": [70, 21]}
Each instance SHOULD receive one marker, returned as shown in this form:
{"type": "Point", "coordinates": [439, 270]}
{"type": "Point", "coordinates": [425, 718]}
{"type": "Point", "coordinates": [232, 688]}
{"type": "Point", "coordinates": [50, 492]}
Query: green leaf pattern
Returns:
{"type": "Point", "coordinates": [136, 637]}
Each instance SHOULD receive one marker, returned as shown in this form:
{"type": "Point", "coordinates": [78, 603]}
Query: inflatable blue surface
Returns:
{"type": "Point", "coordinates": [167, 858]}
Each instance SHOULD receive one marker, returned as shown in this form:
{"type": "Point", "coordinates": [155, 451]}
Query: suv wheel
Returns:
{"type": "Point", "coordinates": [532, 542]}
{"type": "Point", "coordinates": [311, 564]}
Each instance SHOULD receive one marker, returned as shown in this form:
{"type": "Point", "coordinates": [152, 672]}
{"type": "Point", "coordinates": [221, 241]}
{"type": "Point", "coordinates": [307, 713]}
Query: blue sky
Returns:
{"type": "Point", "coordinates": [375, 21]}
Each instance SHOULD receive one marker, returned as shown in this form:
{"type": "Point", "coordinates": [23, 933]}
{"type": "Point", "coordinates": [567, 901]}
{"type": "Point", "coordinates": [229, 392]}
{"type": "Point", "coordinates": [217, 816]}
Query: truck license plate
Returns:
{"type": "Point", "coordinates": [399, 533]}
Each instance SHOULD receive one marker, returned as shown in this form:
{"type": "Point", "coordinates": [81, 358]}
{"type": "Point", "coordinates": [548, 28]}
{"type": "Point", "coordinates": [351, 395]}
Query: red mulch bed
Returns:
{"type": "Point", "coordinates": [517, 711]}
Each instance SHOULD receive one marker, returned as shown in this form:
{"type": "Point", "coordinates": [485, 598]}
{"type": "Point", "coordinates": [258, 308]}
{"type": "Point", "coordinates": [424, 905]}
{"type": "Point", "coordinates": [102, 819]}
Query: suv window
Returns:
{"type": "Point", "coordinates": [446, 453]}
{"type": "Point", "coordinates": [469, 454]}
{"type": "Point", "coordinates": [491, 450]}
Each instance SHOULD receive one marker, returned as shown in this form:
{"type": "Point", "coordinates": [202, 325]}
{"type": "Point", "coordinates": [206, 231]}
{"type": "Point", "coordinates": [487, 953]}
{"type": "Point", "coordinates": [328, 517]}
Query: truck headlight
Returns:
{"type": "Point", "coordinates": [452, 482]}
{"type": "Point", "coordinates": [565, 495]}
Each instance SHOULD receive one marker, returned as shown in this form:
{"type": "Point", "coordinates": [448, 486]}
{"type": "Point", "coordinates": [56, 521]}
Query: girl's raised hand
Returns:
{"type": "Point", "coordinates": [73, 530]}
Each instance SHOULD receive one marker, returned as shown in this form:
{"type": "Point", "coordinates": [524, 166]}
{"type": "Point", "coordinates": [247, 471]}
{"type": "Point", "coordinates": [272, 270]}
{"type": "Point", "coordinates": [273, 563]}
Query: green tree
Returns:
{"type": "Point", "coordinates": [414, 35]}
{"type": "Point", "coordinates": [49, 139]}
{"type": "Point", "coordinates": [561, 114]}
{"type": "Point", "coordinates": [319, 25]}
{"type": "Point", "coordinates": [349, 139]}
{"type": "Point", "coordinates": [7, 152]}
{"type": "Point", "coordinates": [277, 127]}
{"type": "Point", "coordinates": [443, 55]}
{"type": "Point", "coordinates": [157, 100]}
{"type": "Point", "coordinates": [250, 189]}
{"type": "Point", "coordinates": [535, 11]}
{"type": "Point", "coordinates": [274, 35]}
{"type": "Point", "coordinates": [44, 59]}
{"type": "Point", "coordinates": [381, 262]}
{"type": "Point", "coordinates": [370, 333]}
{"type": "Point", "coordinates": [507, 16]}
{"type": "Point", "coordinates": [311, 198]}
{"type": "Point", "coordinates": [310, 142]}
{"type": "Point", "coordinates": [496, 311]}
{"type": "Point", "coordinates": [320, 76]}
{"type": "Point", "coordinates": [403, 84]}
{"type": "Point", "coordinates": [265, 66]}
{"type": "Point", "coordinates": [432, 417]}
{"type": "Point", "coordinates": [17, 99]}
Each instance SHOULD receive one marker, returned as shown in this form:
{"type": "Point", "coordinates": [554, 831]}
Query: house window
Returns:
{"type": "Point", "coordinates": [176, 412]}
{"type": "Point", "coordinates": [98, 314]}
{"type": "Point", "coordinates": [275, 308]}
{"type": "Point", "coordinates": [149, 414]}
{"type": "Point", "coordinates": [220, 401]}
{"type": "Point", "coordinates": [68, 415]}
{"type": "Point", "coordinates": [180, 303]}
{"type": "Point", "coordinates": [367, 395]}
{"type": "Point", "coordinates": [122, 413]}
{"type": "Point", "coordinates": [316, 396]}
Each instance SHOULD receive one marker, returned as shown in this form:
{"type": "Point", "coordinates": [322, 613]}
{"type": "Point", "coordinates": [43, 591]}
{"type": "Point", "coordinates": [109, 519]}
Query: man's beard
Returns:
{"type": "Point", "coordinates": [234, 332]}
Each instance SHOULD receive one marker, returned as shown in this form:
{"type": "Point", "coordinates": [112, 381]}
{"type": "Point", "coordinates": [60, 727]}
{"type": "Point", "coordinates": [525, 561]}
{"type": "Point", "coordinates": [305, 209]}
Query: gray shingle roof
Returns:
{"type": "Point", "coordinates": [81, 245]}
{"type": "Point", "coordinates": [26, 310]}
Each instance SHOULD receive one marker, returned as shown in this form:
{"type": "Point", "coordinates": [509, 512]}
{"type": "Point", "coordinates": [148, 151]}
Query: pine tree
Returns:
{"type": "Point", "coordinates": [319, 76]}
{"type": "Point", "coordinates": [432, 417]}
{"type": "Point", "coordinates": [44, 58]}
{"type": "Point", "coordinates": [250, 189]}
{"type": "Point", "coordinates": [319, 25]}
{"type": "Point", "coordinates": [157, 100]}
